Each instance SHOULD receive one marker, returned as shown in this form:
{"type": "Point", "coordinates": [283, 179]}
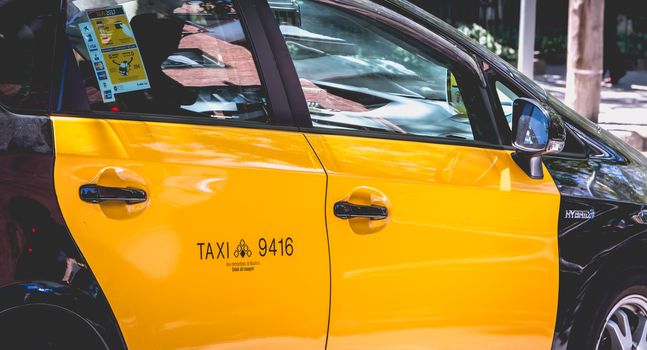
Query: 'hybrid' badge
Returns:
{"type": "Point", "coordinates": [580, 214]}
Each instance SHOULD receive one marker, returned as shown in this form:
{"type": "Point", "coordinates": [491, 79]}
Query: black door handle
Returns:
{"type": "Point", "coordinates": [345, 210]}
{"type": "Point", "coordinates": [98, 194]}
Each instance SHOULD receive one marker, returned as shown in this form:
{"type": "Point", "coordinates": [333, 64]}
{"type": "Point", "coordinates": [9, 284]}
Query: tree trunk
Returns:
{"type": "Point", "coordinates": [585, 53]}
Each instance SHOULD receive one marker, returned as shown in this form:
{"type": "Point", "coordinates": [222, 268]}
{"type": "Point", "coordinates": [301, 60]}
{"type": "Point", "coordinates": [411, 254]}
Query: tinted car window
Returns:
{"type": "Point", "coordinates": [358, 72]}
{"type": "Point", "coordinates": [26, 38]}
{"type": "Point", "coordinates": [184, 58]}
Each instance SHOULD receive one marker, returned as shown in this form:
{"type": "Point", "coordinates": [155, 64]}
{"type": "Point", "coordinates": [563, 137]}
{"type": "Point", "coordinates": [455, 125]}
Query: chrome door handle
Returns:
{"type": "Point", "coordinates": [98, 194]}
{"type": "Point", "coordinates": [345, 210]}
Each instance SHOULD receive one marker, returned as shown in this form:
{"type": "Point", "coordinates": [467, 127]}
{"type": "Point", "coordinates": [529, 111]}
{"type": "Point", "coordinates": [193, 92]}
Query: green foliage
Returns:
{"type": "Point", "coordinates": [633, 45]}
{"type": "Point", "coordinates": [485, 38]}
{"type": "Point", "coordinates": [551, 44]}
{"type": "Point", "coordinates": [503, 42]}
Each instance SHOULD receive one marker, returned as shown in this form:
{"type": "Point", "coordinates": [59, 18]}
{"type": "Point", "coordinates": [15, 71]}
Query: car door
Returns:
{"type": "Point", "coordinates": [197, 206]}
{"type": "Point", "coordinates": [438, 240]}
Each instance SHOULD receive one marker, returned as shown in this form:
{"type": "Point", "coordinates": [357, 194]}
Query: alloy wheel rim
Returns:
{"type": "Point", "coordinates": [625, 327]}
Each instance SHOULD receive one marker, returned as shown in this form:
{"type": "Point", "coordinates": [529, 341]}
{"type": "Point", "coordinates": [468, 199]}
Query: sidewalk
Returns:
{"type": "Point", "coordinates": [623, 110]}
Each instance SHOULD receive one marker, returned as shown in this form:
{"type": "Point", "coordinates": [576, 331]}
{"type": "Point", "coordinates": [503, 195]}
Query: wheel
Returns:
{"type": "Point", "coordinates": [625, 327]}
{"type": "Point", "coordinates": [613, 318]}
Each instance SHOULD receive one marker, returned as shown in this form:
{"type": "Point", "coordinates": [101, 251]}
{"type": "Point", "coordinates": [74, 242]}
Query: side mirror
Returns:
{"type": "Point", "coordinates": [536, 130]}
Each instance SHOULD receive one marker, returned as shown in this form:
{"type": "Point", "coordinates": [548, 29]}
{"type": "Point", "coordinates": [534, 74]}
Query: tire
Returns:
{"type": "Point", "coordinates": [613, 318]}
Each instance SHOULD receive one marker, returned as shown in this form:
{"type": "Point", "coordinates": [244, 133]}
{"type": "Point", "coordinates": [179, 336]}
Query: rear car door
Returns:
{"type": "Point", "coordinates": [198, 207]}
{"type": "Point", "coordinates": [437, 238]}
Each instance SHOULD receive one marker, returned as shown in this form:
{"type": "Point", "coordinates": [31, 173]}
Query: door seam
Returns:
{"type": "Point", "coordinates": [327, 239]}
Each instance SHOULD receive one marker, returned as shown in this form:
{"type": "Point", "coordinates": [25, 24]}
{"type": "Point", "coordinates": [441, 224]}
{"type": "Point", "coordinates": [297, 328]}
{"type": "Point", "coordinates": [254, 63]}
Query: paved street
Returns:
{"type": "Point", "coordinates": [624, 107]}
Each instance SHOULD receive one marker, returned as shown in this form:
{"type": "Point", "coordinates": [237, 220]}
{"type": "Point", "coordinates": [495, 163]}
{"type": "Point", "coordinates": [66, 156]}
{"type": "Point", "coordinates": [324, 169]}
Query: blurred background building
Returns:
{"type": "Point", "coordinates": [500, 19]}
{"type": "Point", "coordinates": [623, 96]}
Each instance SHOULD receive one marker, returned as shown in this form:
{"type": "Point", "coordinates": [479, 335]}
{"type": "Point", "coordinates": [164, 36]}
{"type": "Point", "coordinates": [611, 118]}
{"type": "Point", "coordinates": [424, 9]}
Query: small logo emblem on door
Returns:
{"type": "Point", "coordinates": [242, 250]}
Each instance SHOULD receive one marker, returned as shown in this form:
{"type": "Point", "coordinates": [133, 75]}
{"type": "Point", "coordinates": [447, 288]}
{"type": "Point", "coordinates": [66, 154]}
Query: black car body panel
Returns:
{"type": "Point", "coordinates": [603, 222]}
{"type": "Point", "coordinates": [599, 240]}
{"type": "Point", "coordinates": [39, 262]}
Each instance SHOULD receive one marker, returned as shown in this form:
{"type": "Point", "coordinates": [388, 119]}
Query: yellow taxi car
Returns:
{"type": "Point", "coordinates": [312, 174]}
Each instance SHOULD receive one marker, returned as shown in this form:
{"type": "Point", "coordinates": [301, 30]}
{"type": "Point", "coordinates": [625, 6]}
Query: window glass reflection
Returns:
{"type": "Point", "coordinates": [359, 73]}
{"type": "Point", "coordinates": [192, 58]}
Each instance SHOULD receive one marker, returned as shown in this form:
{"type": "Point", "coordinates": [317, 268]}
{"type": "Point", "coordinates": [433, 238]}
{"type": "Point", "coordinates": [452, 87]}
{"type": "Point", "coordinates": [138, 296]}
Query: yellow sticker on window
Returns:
{"type": "Point", "coordinates": [126, 70]}
{"type": "Point", "coordinates": [112, 28]}
{"type": "Point", "coordinates": [454, 96]}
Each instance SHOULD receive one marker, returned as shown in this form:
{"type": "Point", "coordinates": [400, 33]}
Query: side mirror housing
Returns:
{"type": "Point", "coordinates": [536, 130]}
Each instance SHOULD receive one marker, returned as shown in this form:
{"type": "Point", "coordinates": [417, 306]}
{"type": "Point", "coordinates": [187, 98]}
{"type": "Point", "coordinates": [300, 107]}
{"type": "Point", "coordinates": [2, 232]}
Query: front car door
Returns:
{"type": "Point", "coordinates": [437, 238]}
{"type": "Point", "coordinates": [199, 211]}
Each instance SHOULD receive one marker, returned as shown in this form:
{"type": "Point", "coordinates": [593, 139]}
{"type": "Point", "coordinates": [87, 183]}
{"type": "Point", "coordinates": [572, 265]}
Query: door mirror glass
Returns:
{"type": "Point", "coordinates": [535, 129]}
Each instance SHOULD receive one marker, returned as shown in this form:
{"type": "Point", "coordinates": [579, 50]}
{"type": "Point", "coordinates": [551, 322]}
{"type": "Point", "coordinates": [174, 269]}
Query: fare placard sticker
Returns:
{"type": "Point", "coordinates": [116, 57]}
{"type": "Point", "coordinates": [126, 70]}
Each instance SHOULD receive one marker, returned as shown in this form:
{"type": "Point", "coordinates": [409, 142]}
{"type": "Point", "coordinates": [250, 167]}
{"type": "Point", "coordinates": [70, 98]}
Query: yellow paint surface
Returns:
{"type": "Point", "coordinates": [467, 258]}
{"type": "Point", "coordinates": [205, 184]}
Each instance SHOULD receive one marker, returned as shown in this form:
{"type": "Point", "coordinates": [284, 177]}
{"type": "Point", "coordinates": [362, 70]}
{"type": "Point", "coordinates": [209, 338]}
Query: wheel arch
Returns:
{"type": "Point", "coordinates": [16, 319]}
{"type": "Point", "coordinates": [582, 286]}
{"type": "Point", "coordinates": [26, 306]}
